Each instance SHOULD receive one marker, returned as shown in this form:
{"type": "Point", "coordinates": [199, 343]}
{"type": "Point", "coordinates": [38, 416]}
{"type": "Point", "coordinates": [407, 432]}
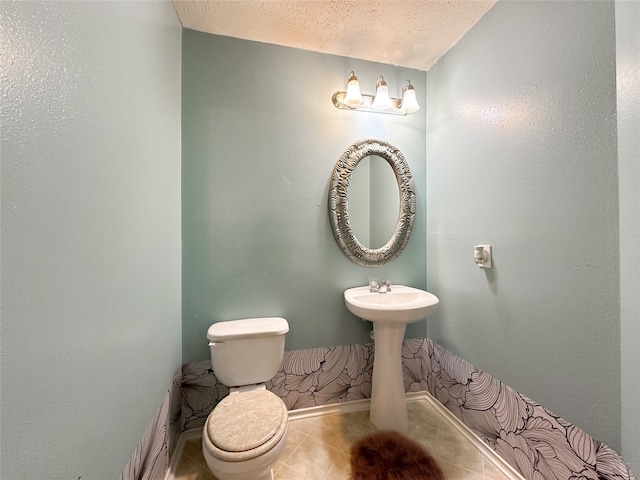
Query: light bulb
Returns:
{"type": "Point", "coordinates": [409, 101]}
{"type": "Point", "coordinates": [353, 95]}
{"type": "Point", "coordinates": [382, 99]}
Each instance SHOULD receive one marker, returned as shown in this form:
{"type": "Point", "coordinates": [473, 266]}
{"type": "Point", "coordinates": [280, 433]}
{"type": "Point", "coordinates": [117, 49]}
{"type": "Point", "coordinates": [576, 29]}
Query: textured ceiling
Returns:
{"type": "Point", "coordinates": [408, 33]}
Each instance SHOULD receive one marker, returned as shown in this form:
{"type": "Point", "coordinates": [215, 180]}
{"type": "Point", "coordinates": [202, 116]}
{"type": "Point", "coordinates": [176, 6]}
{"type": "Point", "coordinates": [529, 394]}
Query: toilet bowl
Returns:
{"type": "Point", "coordinates": [246, 432]}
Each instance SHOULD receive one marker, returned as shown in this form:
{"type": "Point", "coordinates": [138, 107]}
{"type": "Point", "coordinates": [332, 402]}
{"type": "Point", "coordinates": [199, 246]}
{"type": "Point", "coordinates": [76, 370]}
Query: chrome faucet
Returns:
{"type": "Point", "coordinates": [385, 287]}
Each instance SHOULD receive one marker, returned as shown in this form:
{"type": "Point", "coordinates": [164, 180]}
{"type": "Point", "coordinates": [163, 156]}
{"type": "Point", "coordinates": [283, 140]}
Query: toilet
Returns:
{"type": "Point", "coordinates": [246, 432]}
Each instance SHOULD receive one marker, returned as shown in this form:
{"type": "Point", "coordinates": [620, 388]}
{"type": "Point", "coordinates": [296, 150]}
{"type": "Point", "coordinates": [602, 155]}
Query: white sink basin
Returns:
{"type": "Point", "coordinates": [390, 313]}
{"type": "Point", "coordinates": [401, 305]}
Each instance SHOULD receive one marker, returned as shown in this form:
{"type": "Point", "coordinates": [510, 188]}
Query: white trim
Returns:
{"type": "Point", "coordinates": [358, 405]}
{"type": "Point", "coordinates": [333, 408]}
{"type": "Point", "coordinates": [177, 452]}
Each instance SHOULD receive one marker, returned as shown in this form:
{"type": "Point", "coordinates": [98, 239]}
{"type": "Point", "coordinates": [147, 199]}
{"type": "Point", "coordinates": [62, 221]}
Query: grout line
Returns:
{"type": "Point", "coordinates": [438, 437]}
{"type": "Point", "coordinates": [329, 471]}
{"type": "Point", "coordinates": [460, 467]}
{"type": "Point", "coordinates": [484, 476]}
{"type": "Point", "coordinates": [299, 473]}
{"type": "Point", "coordinates": [284, 461]}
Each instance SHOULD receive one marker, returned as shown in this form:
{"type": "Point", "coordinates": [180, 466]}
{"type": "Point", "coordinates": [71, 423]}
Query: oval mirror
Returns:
{"type": "Point", "coordinates": [341, 191]}
{"type": "Point", "coordinates": [374, 202]}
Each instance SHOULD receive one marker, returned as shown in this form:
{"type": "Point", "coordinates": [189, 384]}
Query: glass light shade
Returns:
{"type": "Point", "coordinates": [382, 99]}
{"type": "Point", "coordinates": [353, 95]}
{"type": "Point", "coordinates": [409, 102]}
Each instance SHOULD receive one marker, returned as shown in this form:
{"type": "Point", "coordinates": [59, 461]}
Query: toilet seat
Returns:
{"type": "Point", "coordinates": [245, 425]}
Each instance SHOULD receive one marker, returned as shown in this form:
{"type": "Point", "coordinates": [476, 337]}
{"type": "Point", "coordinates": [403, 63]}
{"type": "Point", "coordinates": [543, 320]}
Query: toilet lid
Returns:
{"type": "Point", "coordinates": [244, 421]}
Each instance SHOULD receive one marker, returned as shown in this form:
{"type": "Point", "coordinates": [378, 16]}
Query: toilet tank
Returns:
{"type": "Point", "coordinates": [248, 351]}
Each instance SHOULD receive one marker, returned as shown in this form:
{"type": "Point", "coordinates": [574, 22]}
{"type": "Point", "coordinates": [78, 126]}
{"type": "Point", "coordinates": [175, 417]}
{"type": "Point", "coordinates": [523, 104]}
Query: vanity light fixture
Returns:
{"type": "Point", "coordinates": [353, 99]}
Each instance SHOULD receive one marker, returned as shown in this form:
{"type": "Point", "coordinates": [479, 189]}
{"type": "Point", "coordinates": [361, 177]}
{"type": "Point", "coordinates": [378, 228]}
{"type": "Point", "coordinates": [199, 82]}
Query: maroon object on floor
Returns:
{"type": "Point", "coordinates": [389, 455]}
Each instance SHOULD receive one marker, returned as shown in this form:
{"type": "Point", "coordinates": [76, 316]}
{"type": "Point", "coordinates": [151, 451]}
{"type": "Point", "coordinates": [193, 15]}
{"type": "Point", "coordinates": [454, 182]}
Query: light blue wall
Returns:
{"type": "Point", "coordinates": [521, 154]}
{"type": "Point", "coordinates": [90, 212]}
{"type": "Point", "coordinates": [90, 231]}
{"type": "Point", "coordinates": [628, 95]}
{"type": "Point", "coordinates": [260, 140]}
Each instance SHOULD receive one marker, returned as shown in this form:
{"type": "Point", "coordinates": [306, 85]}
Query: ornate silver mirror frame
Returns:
{"type": "Point", "coordinates": [338, 202]}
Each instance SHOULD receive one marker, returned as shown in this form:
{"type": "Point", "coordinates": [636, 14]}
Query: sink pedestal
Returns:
{"type": "Point", "coordinates": [390, 312]}
{"type": "Point", "coordinates": [388, 401]}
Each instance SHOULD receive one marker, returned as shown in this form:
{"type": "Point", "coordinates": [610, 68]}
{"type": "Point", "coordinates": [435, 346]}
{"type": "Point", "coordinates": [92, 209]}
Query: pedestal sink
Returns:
{"type": "Point", "coordinates": [390, 313]}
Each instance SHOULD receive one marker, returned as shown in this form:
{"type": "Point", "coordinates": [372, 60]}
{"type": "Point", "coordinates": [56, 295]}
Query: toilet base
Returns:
{"type": "Point", "coordinates": [243, 476]}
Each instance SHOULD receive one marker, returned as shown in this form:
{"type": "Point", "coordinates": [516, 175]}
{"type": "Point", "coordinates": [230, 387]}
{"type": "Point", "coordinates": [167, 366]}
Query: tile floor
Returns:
{"type": "Point", "coordinates": [318, 447]}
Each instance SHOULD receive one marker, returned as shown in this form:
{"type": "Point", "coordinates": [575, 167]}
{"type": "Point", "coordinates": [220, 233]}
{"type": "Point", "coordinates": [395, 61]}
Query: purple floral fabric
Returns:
{"type": "Point", "coordinates": [150, 459]}
{"type": "Point", "coordinates": [322, 376]}
{"type": "Point", "coordinates": [537, 443]}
